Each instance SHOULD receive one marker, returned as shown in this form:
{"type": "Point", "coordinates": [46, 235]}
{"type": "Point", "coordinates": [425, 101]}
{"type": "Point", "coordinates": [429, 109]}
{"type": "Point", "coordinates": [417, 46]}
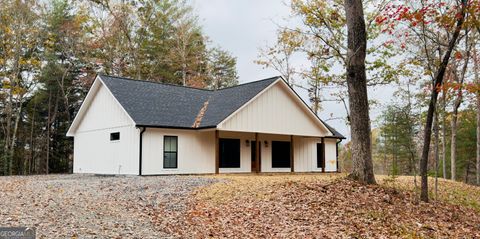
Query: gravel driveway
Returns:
{"type": "Point", "coordinates": [87, 206]}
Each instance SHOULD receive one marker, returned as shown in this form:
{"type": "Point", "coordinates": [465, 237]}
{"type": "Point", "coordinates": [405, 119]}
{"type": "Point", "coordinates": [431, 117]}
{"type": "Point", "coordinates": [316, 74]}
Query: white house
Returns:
{"type": "Point", "coordinates": [127, 126]}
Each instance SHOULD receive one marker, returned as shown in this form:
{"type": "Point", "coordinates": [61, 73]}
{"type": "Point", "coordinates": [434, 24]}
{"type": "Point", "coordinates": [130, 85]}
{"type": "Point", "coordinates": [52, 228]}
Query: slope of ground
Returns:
{"type": "Point", "coordinates": [327, 206]}
{"type": "Point", "coordinates": [235, 206]}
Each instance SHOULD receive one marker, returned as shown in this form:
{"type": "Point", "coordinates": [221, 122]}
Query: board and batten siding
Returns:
{"type": "Point", "coordinates": [305, 153]}
{"type": "Point", "coordinates": [275, 111]}
{"type": "Point", "coordinates": [195, 152]}
{"type": "Point", "coordinates": [93, 150]}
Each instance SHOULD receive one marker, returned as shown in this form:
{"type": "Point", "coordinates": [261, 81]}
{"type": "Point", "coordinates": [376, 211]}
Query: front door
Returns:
{"type": "Point", "coordinates": [253, 147]}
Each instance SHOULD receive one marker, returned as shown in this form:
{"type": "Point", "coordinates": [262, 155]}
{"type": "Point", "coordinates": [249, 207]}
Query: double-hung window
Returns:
{"type": "Point", "coordinates": [170, 153]}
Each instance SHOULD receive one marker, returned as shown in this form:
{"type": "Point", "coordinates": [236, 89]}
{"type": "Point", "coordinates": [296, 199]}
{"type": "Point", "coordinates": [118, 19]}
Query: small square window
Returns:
{"type": "Point", "coordinates": [115, 136]}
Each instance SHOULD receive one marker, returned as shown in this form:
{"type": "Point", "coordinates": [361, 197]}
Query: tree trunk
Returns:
{"type": "Point", "coordinates": [477, 81]}
{"type": "Point", "coordinates": [47, 151]}
{"type": "Point", "coordinates": [467, 170]}
{"type": "Point", "coordinates": [433, 102]}
{"type": "Point", "coordinates": [437, 141]}
{"type": "Point", "coordinates": [457, 103]}
{"type": "Point", "coordinates": [444, 135]}
{"type": "Point", "coordinates": [357, 92]}
{"type": "Point", "coordinates": [453, 144]}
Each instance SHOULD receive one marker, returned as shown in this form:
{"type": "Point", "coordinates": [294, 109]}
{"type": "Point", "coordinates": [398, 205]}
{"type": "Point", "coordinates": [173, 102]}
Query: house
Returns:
{"type": "Point", "coordinates": [127, 126]}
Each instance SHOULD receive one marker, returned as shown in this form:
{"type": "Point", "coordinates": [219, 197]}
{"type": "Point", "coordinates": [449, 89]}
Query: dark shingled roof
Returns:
{"type": "Point", "coordinates": [172, 106]}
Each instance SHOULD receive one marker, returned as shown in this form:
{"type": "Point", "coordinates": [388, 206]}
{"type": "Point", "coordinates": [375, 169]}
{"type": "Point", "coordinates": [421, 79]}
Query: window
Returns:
{"type": "Point", "coordinates": [280, 154]}
{"type": "Point", "coordinates": [115, 136]}
{"type": "Point", "coordinates": [170, 144]}
{"type": "Point", "coordinates": [229, 153]}
{"type": "Point", "coordinates": [320, 155]}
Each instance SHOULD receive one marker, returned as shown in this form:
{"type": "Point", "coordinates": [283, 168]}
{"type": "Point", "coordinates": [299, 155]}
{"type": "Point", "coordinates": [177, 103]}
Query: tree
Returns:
{"type": "Point", "coordinates": [50, 52]}
{"type": "Point", "coordinates": [279, 56]}
{"type": "Point", "coordinates": [459, 76]}
{"type": "Point", "coordinates": [433, 101]}
{"type": "Point", "coordinates": [357, 92]}
{"type": "Point", "coordinates": [19, 65]}
{"type": "Point", "coordinates": [476, 69]}
{"type": "Point", "coordinates": [321, 38]}
{"type": "Point", "coordinates": [397, 137]}
{"type": "Point", "coordinates": [426, 21]}
{"type": "Point", "coordinates": [221, 69]}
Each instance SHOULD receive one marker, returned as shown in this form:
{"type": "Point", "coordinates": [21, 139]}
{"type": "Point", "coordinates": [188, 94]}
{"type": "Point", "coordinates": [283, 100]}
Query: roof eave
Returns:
{"type": "Point", "coordinates": [174, 127]}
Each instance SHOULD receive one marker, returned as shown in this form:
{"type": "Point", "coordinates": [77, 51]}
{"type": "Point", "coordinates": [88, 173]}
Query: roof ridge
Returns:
{"type": "Point", "coordinates": [189, 87]}
{"type": "Point", "coordinates": [155, 82]}
{"type": "Point", "coordinates": [251, 82]}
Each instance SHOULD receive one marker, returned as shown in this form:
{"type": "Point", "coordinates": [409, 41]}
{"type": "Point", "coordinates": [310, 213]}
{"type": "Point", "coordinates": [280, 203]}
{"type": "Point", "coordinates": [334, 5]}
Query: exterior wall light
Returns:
{"type": "Point", "coordinates": [265, 143]}
{"type": "Point", "coordinates": [247, 142]}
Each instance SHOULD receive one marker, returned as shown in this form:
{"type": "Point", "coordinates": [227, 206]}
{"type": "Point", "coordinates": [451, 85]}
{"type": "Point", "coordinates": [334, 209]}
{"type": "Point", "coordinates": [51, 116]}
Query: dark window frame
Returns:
{"type": "Point", "coordinates": [238, 158]}
{"type": "Point", "coordinates": [285, 147]}
{"type": "Point", "coordinates": [115, 136]}
{"type": "Point", "coordinates": [170, 152]}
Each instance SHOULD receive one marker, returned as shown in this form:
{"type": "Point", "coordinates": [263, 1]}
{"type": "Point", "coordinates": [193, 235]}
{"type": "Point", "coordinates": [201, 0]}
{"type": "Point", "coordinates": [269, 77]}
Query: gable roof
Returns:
{"type": "Point", "coordinates": [152, 104]}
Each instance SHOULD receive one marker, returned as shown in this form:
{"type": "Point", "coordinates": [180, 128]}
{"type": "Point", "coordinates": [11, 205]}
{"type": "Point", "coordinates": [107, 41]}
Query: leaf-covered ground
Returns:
{"type": "Point", "coordinates": [236, 206]}
{"type": "Point", "coordinates": [328, 206]}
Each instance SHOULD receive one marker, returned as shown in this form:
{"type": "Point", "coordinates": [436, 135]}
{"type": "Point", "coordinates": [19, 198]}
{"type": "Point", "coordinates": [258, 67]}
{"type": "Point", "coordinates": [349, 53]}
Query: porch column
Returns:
{"type": "Point", "coordinates": [292, 159]}
{"type": "Point", "coordinates": [257, 153]}
{"type": "Point", "coordinates": [323, 155]}
{"type": "Point", "coordinates": [217, 152]}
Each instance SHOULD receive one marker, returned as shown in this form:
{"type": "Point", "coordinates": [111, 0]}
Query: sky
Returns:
{"type": "Point", "coordinates": [242, 27]}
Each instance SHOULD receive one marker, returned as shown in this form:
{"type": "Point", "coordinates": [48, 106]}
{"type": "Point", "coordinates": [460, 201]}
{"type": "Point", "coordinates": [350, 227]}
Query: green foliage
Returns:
{"type": "Point", "coordinates": [396, 139]}
{"type": "Point", "coordinates": [50, 52]}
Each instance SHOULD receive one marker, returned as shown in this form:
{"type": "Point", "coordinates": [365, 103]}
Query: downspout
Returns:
{"type": "Point", "coordinates": [140, 151]}
{"type": "Point", "coordinates": [336, 148]}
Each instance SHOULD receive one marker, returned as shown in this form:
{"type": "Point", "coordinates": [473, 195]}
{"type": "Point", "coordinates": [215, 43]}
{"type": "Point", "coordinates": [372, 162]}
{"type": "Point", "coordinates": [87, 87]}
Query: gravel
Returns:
{"type": "Point", "coordinates": [88, 206]}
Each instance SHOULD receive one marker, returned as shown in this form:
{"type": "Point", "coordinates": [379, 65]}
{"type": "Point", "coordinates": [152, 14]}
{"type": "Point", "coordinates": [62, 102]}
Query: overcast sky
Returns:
{"type": "Point", "coordinates": [244, 26]}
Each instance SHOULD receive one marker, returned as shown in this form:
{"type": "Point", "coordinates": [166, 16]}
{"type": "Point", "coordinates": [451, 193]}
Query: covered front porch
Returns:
{"type": "Point", "coordinates": [245, 152]}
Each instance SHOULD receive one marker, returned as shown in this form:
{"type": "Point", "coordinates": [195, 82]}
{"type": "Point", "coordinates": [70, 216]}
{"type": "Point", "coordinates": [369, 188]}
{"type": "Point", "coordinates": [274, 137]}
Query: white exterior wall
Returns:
{"type": "Point", "coordinates": [93, 150]}
{"type": "Point", "coordinates": [195, 152]}
{"type": "Point", "coordinates": [305, 154]}
{"type": "Point", "coordinates": [275, 111]}
{"type": "Point", "coordinates": [330, 155]}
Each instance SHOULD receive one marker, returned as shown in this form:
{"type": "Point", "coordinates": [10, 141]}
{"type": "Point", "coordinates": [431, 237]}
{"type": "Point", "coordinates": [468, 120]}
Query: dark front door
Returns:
{"type": "Point", "coordinates": [253, 146]}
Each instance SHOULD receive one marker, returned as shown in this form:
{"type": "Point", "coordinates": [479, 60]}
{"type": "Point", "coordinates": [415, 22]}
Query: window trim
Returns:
{"type": "Point", "coordinates": [112, 138]}
{"type": "Point", "coordinates": [176, 151]}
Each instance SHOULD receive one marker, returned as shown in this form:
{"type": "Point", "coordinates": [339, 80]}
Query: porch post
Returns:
{"type": "Point", "coordinates": [217, 152]}
{"type": "Point", "coordinates": [292, 159]}
{"type": "Point", "coordinates": [323, 155]}
{"type": "Point", "coordinates": [257, 153]}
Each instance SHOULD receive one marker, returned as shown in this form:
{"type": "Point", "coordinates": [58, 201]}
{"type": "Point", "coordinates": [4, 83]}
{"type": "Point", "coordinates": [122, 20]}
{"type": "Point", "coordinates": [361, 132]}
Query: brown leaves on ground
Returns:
{"type": "Point", "coordinates": [312, 206]}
